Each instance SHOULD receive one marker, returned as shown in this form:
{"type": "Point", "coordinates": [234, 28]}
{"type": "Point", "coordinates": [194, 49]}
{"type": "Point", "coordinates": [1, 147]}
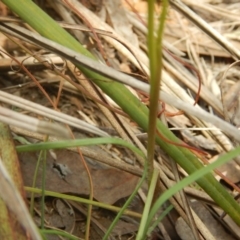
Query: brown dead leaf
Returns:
{"type": "Point", "coordinates": [67, 175]}
{"type": "Point", "coordinates": [58, 215]}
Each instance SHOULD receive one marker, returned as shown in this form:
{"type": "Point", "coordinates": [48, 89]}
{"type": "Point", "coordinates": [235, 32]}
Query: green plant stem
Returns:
{"type": "Point", "coordinates": [47, 27]}
{"type": "Point", "coordinates": [83, 201]}
{"type": "Point", "coordinates": [58, 232]}
{"type": "Point", "coordinates": [77, 143]}
{"type": "Point", "coordinates": [155, 73]}
{"type": "Point", "coordinates": [44, 162]}
{"type": "Point", "coordinates": [148, 204]}
{"type": "Point", "coordinates": [126, 204]}
{"type": "Point", "coordinates": [159, 219]}
{"type": "Point", "coordinates": [34, 183]}
{"type": "Point", "coordinates": [156, 65]}
{"type": "Point", "coordinates": [188, 180]}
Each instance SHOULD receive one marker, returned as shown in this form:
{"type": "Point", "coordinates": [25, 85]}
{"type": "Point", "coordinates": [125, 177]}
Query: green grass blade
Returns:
{"type": "Point", "coordinates": [34, 182]}
{"type": "Point", "coordinates": [77, 143]}
{"type": "Point", "coordinates": [83, 201]}
{"type": "Point", "coordinates": [190, 179]}
{"type": "Point", "coordinates": [159, 219]}
{"type": "Point", "coordinates": [126, 204]}
{"type": "Point", "coordinates": [60, 233]}
{"type": "Point", "coordinates": [148, 204]}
